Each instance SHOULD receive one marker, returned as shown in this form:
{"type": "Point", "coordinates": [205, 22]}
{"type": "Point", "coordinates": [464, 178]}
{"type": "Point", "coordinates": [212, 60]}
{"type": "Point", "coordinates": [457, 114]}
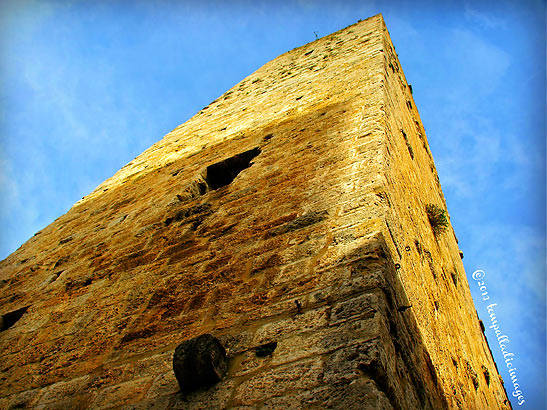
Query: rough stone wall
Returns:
{"type": "Point", "coordinates": [431, 270]}
{"type": "Point", "coordinates": [306, 252]}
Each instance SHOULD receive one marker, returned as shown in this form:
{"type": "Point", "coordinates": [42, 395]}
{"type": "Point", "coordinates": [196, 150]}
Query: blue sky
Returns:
{"type": "Point", "coordinates": [87, 86]}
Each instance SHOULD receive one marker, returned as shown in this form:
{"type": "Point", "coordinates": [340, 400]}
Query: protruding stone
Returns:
{"type": "Point", "coordinates": [199, 362]}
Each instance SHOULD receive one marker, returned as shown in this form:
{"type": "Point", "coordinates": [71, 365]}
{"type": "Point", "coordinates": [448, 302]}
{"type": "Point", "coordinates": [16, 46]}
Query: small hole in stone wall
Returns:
{"type": "Point", "coordinates": [9, 319]}
{"type": "Point", "coordinates": [418, 246]}
{"type": "Point", "coordinates": [224, 172]}
{"type": "Point", "coordinates": [202, 188]}
{"type": "Point", "coordinates": [486, 374]}
{"type": "Point", "coordinates": [454, 279]}
{"type": "Point", "coordinates": [410, 150]}
{"type": "Point", "coordinates": [265, 349]}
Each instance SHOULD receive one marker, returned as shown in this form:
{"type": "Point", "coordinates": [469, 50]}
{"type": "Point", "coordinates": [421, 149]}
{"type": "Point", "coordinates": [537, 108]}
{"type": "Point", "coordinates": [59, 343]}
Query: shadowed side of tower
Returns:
{"type": "Point", "coordinates": [288, 219]}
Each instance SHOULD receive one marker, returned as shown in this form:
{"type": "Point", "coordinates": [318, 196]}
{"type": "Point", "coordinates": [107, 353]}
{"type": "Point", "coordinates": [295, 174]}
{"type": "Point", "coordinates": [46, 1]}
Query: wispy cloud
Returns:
{"type": "Point", "coordinates": [485, 20]}
{"type": "Point", "coordinates": [513, 258]}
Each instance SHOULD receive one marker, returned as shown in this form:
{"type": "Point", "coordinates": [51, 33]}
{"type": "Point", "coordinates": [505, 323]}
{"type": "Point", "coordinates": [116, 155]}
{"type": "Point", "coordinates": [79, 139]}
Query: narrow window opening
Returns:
{"type": "Point", "coordinates": [265, 349]}
{"type": "Point", "coordinates": [9, 319]}
{"type": "Point", "coordinates": [454, 279]}
{"type": "Point", "coordinates": [486, 374]}
{"type": "Point", "coordinates": [224, 172]}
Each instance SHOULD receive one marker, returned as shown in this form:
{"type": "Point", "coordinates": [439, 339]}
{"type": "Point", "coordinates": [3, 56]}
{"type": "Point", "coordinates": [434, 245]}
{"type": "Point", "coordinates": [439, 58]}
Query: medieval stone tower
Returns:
{"type": "Point", "coordinates": [292, 219]}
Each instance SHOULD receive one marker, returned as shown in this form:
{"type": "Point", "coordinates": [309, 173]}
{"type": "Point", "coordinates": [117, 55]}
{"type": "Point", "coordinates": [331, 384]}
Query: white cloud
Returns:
{"type": "Point", "coordinates": [514, 258]}
{"type": "Point", "coordinates": [475, 62]}
{"type": "Point", "coordinates": [470, 150]}
{"type": "Point", "coordinates": [485, 20]}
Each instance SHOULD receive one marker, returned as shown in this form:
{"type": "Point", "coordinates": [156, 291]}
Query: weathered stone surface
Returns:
{"type": "Point", "coordinates": [278, 381]}
{"type": "Point", "coordinates": [199, 362]}
{"type": "Point", "coordinates": [216, 397]}
{"type": "Point", "coordinates": [122, 394]}
{"type": "Point", "coordinates": [290, 212]}
{"type": "Point", "coordinates": [63, 389]}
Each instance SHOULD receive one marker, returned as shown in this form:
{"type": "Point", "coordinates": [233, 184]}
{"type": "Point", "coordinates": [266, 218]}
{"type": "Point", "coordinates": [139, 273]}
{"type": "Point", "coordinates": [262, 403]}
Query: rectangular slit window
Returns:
{"type": "Point", "coordinates": [9, 319]}
{"type": "Point", "coordinates": [224, 172]}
